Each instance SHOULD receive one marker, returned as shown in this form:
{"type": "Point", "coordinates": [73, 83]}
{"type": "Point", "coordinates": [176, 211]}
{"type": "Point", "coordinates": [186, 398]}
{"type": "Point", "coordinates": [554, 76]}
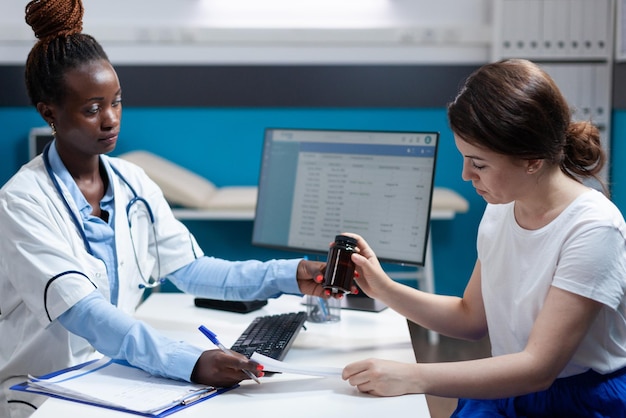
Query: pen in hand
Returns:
{"type": "Point", "coordinates": [211, 336]}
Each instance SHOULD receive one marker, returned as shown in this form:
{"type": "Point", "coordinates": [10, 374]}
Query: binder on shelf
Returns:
{"type": "Point", "coordinates": [589, 49]}
{"type": "Point", "coordinates": [601, 100]}
{"type": "Point", "coordinates": [509, 42]}
{"type": "Point", "coordinates": [116, 385]}
{"type": "Point", "coordinates": [534, 29]}
{"type": "Point", "coordinates": [576, 26]}
{"type": "Point", "coordinates": [556, 28]}
{"type": "Point", "coordinates": [517, 32]}
{"type": "Point", "coordinates": [600, 28]}
{"type": "Point", "coordinates": [561, 73]}
{"type": "Point", "coordinates": [586, 85]}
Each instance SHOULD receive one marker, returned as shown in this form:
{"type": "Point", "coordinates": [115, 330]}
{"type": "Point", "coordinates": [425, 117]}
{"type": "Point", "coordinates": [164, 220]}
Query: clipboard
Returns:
{"type": "Point", "coordinates": [63, 384]}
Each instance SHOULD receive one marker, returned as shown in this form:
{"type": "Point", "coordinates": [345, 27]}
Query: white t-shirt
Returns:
{"type": "Point", "coordinates": [582, 251]}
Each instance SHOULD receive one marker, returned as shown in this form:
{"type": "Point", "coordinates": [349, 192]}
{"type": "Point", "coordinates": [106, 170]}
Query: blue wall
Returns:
{"type": "Point", "coordinates": [224, 145]}
{"type": "Point", "coordinates": [618, 159]}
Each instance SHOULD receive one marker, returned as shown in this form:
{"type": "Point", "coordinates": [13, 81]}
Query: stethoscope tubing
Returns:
{"type": "Point", "coordinates": [57, 186]}
{"type": "Point", "coordinates": [135, 199]}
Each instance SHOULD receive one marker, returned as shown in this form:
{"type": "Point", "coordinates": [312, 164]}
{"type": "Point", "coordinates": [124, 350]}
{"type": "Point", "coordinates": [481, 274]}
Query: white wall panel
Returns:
{"type": "Point", "coordinates": [303, 31]}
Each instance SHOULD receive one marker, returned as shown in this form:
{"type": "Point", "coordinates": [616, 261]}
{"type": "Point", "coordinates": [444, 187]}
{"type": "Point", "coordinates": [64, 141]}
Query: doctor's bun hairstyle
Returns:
{"type": "Point", "coordinates": [61, 46]}
{"type": "Point", "coordinates": [514, 108]}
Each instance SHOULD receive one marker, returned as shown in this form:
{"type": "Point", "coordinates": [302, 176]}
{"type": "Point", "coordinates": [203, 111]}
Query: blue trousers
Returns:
{"type": "Point", "coordinates": [588, 394]}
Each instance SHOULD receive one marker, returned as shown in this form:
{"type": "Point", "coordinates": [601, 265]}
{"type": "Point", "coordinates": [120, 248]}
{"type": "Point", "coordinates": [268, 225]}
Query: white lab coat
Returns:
{"type": "Point", "coordinates": [45, 268]}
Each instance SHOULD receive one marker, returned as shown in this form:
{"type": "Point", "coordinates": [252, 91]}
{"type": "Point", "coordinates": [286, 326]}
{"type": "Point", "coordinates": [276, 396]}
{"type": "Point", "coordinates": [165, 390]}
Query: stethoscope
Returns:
{"type": "Point", "coordinates": [148, 283]}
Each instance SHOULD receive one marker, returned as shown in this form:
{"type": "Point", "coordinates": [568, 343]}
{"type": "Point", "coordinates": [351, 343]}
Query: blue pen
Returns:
{"type": "Point", "coordinates": [211, 336]}
{"type": "Point", "coordinates": [323, 304]}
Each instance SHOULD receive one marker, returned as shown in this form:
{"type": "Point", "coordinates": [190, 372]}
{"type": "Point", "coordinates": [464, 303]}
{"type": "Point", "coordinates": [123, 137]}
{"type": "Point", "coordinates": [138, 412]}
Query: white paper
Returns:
{"type": "Point", "coordinates": [273, 365]}
{"type": "Point", "coordinates": [108, 383]}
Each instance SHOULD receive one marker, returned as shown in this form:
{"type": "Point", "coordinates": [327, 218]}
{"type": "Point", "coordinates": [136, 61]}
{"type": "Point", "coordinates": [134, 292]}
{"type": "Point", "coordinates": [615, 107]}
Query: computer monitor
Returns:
{"type": "Point", "coordinates": [315, 184]}
{"type": "Point", "coordinates": [38, 138]}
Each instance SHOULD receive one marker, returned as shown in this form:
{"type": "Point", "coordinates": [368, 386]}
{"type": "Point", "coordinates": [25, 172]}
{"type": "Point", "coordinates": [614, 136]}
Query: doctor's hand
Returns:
{"type": "Point", "coordinates": [310, 275]}
{"type": "Point", "coordinates": [310, 278]}
{"type": "Point", "coordinates": [216, 368]}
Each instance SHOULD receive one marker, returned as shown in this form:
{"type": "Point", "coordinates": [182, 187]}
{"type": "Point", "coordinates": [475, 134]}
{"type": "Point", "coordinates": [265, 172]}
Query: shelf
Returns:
{"type": "Point", "coordinates": [214, 215]}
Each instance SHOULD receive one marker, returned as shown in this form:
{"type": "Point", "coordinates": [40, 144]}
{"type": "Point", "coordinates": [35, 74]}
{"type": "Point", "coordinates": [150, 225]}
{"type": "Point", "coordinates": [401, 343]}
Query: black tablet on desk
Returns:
{"type": "Point", "coordinates": [230, 305]}
{"type": "Point", "coordinates": [362, 302]}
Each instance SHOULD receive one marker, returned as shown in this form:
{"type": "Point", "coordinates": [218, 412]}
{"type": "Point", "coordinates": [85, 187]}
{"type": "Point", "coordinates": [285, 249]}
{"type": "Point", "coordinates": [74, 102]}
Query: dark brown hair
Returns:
{"type": "Point", "coordinates": [61, 46]}
{"type": "Point", "coordinates": [514, 108]}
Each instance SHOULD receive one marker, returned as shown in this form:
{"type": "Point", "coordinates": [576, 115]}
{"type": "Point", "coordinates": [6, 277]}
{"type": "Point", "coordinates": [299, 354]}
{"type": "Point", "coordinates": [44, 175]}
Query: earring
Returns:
{"type": "Point", "coordinates": [54, 131]}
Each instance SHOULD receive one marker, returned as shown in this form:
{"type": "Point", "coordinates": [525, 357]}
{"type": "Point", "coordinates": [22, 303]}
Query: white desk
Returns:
{"type": "Point", "coordinates": [358, 335]}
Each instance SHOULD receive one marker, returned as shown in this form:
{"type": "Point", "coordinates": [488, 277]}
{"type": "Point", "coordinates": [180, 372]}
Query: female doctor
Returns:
{"type": "Point", "coordinates": [83, 233]}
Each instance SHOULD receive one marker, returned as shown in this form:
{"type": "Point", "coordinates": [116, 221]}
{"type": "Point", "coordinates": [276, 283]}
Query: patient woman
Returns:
{"type": "Point", "coordinates": [82, 233]}
{"type": "Point", "coordinates": [549, 284]}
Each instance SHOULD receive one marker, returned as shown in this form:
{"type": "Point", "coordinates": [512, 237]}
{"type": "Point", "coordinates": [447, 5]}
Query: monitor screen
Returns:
{"type": "Point", "coordinates": [38, 138]}
{"type": "Point", "coordinates": [315, 184]}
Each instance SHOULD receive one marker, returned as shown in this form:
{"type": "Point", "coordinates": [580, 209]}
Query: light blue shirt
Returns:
{"type": "Point", "coordinates": [99, 233]}
{"type": "Point", "coordinates": [117, 335]}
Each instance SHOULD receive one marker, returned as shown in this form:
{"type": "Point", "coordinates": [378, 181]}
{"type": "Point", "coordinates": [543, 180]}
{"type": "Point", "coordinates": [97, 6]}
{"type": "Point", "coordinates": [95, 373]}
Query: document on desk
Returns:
{"type": "Point", "coordinates": [117, 385]}
{"type": "Point", "coordinates": [273, 365]}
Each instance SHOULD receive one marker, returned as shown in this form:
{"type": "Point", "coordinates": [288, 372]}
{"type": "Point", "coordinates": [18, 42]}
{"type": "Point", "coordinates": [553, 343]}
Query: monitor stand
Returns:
{"type": "Point", "coordinates": [362, 302]}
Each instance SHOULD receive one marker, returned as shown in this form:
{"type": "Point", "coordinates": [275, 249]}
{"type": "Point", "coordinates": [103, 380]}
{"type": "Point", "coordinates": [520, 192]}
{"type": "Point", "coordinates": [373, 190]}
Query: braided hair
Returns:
{"type": "Point", "coordinates": [61, 46]}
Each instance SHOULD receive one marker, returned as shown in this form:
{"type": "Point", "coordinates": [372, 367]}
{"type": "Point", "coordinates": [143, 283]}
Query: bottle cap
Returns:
{"type": "Point", "coordinates": [346, 239]}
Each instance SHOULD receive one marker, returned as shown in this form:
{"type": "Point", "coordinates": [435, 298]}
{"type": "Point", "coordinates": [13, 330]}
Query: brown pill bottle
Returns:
{"type": "Point", "coordinates": [339, 266]}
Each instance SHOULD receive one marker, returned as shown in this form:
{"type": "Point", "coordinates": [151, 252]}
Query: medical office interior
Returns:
{"type": "Point", "coordinates": [202, 79]}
